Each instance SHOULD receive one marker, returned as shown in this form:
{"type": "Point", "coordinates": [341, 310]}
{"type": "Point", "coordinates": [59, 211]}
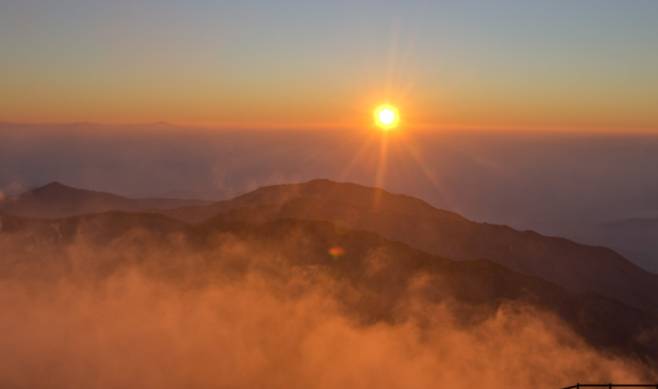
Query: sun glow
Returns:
{"type": "Point", "coordinates": [386, 117]}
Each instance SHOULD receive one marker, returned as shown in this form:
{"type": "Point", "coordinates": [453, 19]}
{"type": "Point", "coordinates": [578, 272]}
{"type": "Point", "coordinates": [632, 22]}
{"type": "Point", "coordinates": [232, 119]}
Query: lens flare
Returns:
{"type": "Point", "coordinates": [386, 117]}
{"type": "Point", "coordinates": [336, 251]}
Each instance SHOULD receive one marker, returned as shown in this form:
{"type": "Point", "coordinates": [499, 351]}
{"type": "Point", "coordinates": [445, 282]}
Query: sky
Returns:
{"type": "Point", "coordinates": [573, 65]}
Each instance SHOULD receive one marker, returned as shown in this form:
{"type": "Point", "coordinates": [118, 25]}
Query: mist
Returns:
{"type": "Point", "coordinates": [149, 312]}
{"type": "Point", "coordinates": [563, 184]}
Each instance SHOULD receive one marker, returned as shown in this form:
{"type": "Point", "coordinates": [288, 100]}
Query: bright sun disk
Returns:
{"type": "Point", "coordinates": [386, 117]}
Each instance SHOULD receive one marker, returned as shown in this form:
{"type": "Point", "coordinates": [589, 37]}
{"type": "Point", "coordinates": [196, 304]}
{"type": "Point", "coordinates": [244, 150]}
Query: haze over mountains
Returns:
{"type": "Point", "coordinates": [558, 184]}
{"type": "Point", "coordinates": [335, 265]}
{"type": "Point", "coordinates": [636, 238]}
{"type": "Point", "coordinates": [409, 220]}
{"type": "Point", "coordinates": [306, 245]}
{"type": "Point", "coordinates": [384, 282]}
{"type": "Point", "coordinates": [332, 267]}
{"type": "Point", "coordinates": [56, 200]}
{"type": "Point", "coordinates": [576, 267]}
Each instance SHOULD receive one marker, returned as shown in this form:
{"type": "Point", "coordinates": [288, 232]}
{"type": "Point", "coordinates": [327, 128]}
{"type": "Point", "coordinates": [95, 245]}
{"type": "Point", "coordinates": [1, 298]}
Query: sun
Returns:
{"type": "Point", "coordinates": [387, 117]}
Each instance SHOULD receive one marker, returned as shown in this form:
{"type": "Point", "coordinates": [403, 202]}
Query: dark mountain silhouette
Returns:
{"type": "Point", "coordinates": [376, 279]}
{"type": "Point", "coordinates": [56, 200]}
{"type": "Point", "coordinates": [577, 267]}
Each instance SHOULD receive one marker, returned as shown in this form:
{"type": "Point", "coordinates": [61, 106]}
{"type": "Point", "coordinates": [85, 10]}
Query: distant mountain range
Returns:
{"type": "Point", "coordinates": [576, 267]}
{"type": "Point", "coordinates": [608, 300]}
{"type": "Point", "coordinates": [56, 200]}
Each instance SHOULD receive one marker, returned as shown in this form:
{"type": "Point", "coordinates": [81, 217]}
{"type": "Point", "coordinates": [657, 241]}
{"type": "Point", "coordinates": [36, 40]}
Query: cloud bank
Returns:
{"type": "Point", "coordinates": [156, 316]}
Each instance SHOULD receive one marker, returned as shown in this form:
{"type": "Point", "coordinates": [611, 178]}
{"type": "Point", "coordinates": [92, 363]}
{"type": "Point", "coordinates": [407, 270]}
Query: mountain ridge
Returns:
{"type": "Point", "coordinates": [56, 200]}
{"type": "Point", "coordinates": [577, 267]}
{"type": "Point", "coordinates": [382, 270]}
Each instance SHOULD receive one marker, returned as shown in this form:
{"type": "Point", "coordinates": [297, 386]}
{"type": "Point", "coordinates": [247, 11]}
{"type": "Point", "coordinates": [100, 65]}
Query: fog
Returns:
{"type": "Point", "coordinates": [144, 313]}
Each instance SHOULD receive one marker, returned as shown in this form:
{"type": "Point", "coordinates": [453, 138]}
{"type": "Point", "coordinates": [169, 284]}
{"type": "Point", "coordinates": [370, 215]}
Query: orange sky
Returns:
{"type": "Point", "coordinates": [270, 65]}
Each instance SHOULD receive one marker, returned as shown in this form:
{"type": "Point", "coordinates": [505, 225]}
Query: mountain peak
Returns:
{"type": "Point", "coordinates": [54, 187]}
{"type": "Point", "coordinates": [360, 196]}
{"type": "Point", "coordinates": [57, 200]}
{"type": "Point", "coordinates": [54, 184]}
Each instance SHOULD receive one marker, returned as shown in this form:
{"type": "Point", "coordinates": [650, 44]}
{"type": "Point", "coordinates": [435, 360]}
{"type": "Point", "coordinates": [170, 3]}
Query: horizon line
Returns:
{"type": "Point", "coordinates": [424, 127]}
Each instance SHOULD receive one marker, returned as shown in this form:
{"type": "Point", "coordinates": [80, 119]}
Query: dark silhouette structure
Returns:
{"type": "Point", "coordinates": [577, 386]}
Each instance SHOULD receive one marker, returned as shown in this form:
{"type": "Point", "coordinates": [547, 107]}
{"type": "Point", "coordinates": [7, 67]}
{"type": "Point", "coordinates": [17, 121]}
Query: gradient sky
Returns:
{"type": "Point", "coordinates": [511, 64]}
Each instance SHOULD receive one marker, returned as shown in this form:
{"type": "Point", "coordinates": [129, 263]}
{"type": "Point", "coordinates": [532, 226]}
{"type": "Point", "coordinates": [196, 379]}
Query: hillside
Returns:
{"type": "Point", "coordinates": [577, 267]}
{"type": "Point", "coordinates": [56, 200]}
{"type": "Point", "coordinates": [374, 279]}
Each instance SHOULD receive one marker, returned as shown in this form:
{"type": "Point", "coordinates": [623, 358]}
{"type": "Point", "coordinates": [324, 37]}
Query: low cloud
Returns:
{"type": "Point", "coordinates": [169, 319]}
